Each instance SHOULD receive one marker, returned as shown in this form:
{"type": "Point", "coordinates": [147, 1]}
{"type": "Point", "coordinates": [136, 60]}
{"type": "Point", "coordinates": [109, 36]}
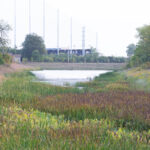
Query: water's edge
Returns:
{"type": "Point", "coordinates": [67, 77]}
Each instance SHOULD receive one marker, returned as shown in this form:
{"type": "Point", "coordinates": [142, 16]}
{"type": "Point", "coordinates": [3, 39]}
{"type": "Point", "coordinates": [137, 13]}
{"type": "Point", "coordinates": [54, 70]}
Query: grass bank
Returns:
{"type": "Point", "coordinates": [110, 112]}
{"type": "Point", "coordinates": [12, 68]}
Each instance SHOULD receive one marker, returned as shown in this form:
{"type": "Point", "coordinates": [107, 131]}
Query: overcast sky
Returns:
{"type": "Point", "coordinates": [114, 20]}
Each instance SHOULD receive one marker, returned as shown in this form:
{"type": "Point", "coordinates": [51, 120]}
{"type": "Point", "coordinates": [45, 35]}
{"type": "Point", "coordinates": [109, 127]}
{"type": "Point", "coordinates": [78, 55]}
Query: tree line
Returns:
{"type": "Point", "coordinates": [34, 50]}
{"type": "Point", "coordinates": [141, 52]}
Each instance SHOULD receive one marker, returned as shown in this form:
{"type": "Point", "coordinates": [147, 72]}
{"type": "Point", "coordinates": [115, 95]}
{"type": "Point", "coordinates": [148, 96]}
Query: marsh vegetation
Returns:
{"type": "Point", "coordinates": [110, 112]}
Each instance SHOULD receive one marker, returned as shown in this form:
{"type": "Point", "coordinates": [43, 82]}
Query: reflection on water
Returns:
{"type": "Point", "coordinates": [66, 77]}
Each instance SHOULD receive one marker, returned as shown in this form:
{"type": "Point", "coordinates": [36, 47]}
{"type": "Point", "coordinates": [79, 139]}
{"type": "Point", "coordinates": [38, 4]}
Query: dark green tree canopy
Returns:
{"type": "Point", "coordinates": [142, 52]}
{"type": "Point", "coordinates": [36, 55]}
{"type": "Point", "coordinates": [33, 42]}
{"type": "Point", "coordinates": [130, 50]}
{"type": "Point", "coordinates": [143, 47]}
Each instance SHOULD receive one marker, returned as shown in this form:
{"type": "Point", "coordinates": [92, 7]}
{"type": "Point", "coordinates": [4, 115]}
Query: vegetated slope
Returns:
{"type": "Point", "coordinates": [11, 68]}
{"type": "Point", "coordinates": [108, 113]}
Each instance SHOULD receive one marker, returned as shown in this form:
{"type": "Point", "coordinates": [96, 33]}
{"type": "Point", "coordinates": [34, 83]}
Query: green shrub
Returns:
{"type": "Point", "coordinates": [5, 58]}
{"type": "Point", "coordinates": [25, 60]}
{"type": "Point", "coordinates": [36, 55]}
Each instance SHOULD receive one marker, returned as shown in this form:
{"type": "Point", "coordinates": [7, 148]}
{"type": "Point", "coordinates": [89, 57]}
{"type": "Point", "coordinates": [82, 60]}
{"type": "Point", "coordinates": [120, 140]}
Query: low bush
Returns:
{"type": "Point", "coordinates": [5, 58]}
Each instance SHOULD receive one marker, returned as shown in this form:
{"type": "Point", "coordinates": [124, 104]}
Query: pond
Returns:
{"type": "Point", "coordinates": [67, 77]}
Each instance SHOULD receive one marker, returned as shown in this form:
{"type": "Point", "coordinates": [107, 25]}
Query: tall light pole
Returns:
{"type": "Point", "coordinates": [71, 36]}
{"type": "Point", "coordinates": [43, 19]}
{"type": "Point", "coordinates": [29, 16]}
{"type": "Point", "coordinates": [14, 23]}
{"type": "Point", "coordinates": [97, 41]}
{"type": "Point", "coordinates": [68, 55]}
{"type": "Point", "coordinates": [70, 51]}
{"type": "Point", "coordinates": [83, 41]}
{"type": "Point", "coordinates": [58, 31]}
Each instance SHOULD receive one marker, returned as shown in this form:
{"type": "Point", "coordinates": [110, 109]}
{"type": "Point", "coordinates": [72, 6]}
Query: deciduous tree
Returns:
{"type": "Point", "coordinates": [33, 42]}
{"type": "Point", "coordinates": [4, 29]}
{"type": "Point", "coordinates": [130, 50]}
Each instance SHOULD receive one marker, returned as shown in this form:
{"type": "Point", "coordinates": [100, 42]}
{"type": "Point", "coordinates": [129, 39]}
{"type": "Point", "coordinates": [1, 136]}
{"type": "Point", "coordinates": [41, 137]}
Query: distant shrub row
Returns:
{"type": "Point", "coordinates": [90, 58]}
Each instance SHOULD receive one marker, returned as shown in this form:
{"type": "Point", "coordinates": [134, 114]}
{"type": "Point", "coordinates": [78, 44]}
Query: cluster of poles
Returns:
{"type": "Point", "coordinates": [58, 48]}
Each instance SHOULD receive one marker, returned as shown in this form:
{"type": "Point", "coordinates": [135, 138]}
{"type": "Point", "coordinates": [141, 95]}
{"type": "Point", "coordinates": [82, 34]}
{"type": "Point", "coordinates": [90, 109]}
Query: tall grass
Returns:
{"type": "Point", "coordinates": [129, 109]}
{"type": "Point", "coordinates": [23, 129]}
{"type": "Point", "coordinates": [20, 87]}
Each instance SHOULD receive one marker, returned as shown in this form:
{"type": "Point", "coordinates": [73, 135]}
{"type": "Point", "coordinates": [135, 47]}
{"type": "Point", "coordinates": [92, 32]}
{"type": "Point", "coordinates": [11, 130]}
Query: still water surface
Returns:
{"type": "Point", "coordinates": [65, 77]}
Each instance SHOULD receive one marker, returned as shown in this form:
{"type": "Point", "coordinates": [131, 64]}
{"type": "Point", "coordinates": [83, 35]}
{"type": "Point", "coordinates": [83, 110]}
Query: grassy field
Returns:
{"type": "Point", "coordinates": [112, 112]}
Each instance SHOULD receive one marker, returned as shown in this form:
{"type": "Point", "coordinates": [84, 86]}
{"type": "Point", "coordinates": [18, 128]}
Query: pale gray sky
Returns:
{"type": "Point", "coordinates": [114, 20]}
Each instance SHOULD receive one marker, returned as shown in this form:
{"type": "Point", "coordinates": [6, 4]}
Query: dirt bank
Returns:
{"type": "Point", "coordinates": [4, 69]}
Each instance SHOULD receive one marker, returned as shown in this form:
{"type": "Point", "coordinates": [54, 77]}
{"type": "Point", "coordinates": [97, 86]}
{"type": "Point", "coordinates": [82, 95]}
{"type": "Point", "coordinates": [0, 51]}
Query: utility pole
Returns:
{"type": "Point", "coordinates": [70, 52]}
{"type": "Point", "coordinates": [29, 16]}
{"type": "Point", "coordinates": [15, 24]}
{"type": "Point", "coordinates": [97, 41]}
{"type": "Point", "coordinates": [44, 20]}
{"type": "Point", "coordinates": [68, 55]}
{"type": "Point", "coordinates": [71, 36]}
{"type": "Point", "coordinates": [83, 41]}
{"type": "Point", "coordinates": [58, 32]}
